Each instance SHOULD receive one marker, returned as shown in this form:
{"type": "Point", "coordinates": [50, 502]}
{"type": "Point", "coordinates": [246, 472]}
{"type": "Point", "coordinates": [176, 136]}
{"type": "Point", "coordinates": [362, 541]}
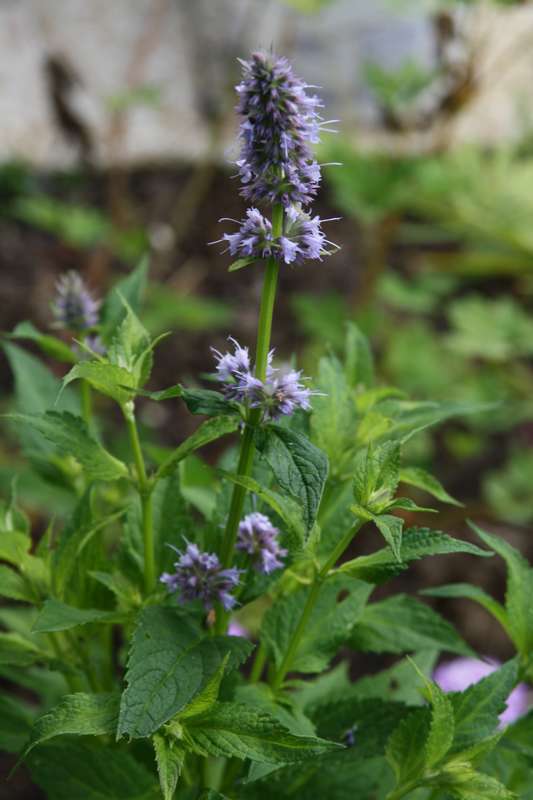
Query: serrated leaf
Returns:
{"type": "Point", "coordinates": [329, 624]}
{"type": "Point", "coordinates": [464, 783]}
{"type": "Point", "coordinates": [415, 476]}
{"type": "Point", "coordinates": [376, 475]}
{"type": "Point", "coordinates": [237, 730]}
{"type": "Point", "coordinates": [416, 543]}
{"type": "Point", "coordinates": [470, 592]}
{"type": "Point", "coordinates": [36, 388]}
{"type": "Point", "coordinates": [18, 651]}
{"type": "Point", "coordinates": [358, 358]}
{"type": "Point", "coordinates": [131, 347]}
{"type": "Point", "coordinates": [131, 289]}
{"type": "Point", "coordinates": [300, 468]}
{"type": "Point", "coordinates": [391, 529]}
{"type": "Point", "coordinates": [50, 345]}
{"type": "Point", "coordinates": [208, 431]}
{"type": "Point", "coordinates": [71, 436]}
{"type": "Point", "coordinates": [58, 616]}
{"type": "Point", "coordinates": [169, 664]}
{"type": "Point", "coordinates": [518, 603]}
{"type": "Point", "coordinates": [106, 378]}
{"type": "Point", "coordinates": [76, 770]}
{"type": "Point", "coordinates": [372, 720]}
{"type": "Point", "coordinates": [170, 757]}
{"type": "Point", "coordinates": [405, 749]}
{"type": "Point", "coordinates": [441, 726]}
{"type": "Point", "coordinates": [401, 624]}
{"type": "Point", "coordinates": [13, 586]}
{"type": "Point", "coordinates": [76, 715]}
{"type": "Point", "coordinates": [478, 708]}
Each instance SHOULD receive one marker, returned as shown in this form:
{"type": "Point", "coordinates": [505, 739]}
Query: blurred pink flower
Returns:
{"type": "Point", "coordinates": [457, 675]}
{"type": "Point", "coordinates": [236, 629]}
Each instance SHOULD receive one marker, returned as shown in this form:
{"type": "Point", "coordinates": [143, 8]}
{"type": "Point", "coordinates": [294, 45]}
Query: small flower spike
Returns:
{"type": "Point", "coordinates": [302, 239]}
{"type": "Point", "coordinates": [74, 307]}
{"type": "Point", "coordinates": [199, 576]}
{"type": "Point", "coordinates": [280, 394]}
{"type": "Point", "coordinates": [259, 538]}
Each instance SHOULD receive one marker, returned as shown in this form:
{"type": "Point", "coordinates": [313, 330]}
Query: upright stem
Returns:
{"type": "Point", "coordinates": [246, 457]}
{"type": "Point", "coordinates": [146, 502]}
{"type": "Point", "coordinates": [312, 597]}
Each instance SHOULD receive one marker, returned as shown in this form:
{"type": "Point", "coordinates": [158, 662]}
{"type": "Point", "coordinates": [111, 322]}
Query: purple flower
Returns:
{"type": "Point", "coordinates": [459, 674]}
{"type": "Point", "coordinates": [302, 238]}
{"type": "Point", "coordinates": [236, 629]}
{"type": "Point", "coordinates": [280, 394]}
{"type": "Point", "coordinates": [74, 307]}
{"type": "Point", "coordinates": [280, 121]}
{"type": "Point", "coordinates": [199, 576]}
{"type": "Point", "coordinates": [259, 538]}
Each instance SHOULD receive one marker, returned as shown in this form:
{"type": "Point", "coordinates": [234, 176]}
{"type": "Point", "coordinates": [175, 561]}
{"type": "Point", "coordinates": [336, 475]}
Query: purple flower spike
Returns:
{"type": "Point", "coordinates": [74, 307]}
{"type": "Point", "coordinates": [259, 538]}
{"type": "Point", "coordinates": [302, 239]}
{"type": "Point", "coordinates": [199, 576]}
{"type": "Point", "coordinates": [280, 121]}
{"type": "Point", "coordinates": [459, 674]}
{"type": "Point", "coordinates": [232, 370]}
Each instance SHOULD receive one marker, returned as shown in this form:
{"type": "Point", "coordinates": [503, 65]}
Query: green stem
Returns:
{"type": "Point", "coordinates": [246, 457]}
{"type": "Point", "coordinates": [259, 663]}
{"type": "Point", "coordinates": [312, 597]}
{"type": "Point", "coordinates": [146, 503]}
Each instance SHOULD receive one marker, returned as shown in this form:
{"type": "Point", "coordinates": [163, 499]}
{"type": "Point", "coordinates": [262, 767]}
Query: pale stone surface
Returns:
{"type": "Point", "coordinates": [186, 49]}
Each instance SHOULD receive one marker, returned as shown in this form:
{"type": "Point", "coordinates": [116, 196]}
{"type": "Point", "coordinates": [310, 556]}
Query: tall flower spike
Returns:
{"type": "Point", "coordinates": [199, 576]}
{"type": "Point", "coordinates": [259, 538]}
{"type": "Point", "coordinates": [280, 121]}
{"type": "Point", "coordinates": [74, 307]}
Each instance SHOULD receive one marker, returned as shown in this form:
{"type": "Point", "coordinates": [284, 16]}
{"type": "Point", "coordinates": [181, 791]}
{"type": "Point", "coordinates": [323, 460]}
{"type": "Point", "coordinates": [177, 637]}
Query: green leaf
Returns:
{"type": "Point", "coordinates": [406, 747]}
{"type": "Point", "coordinates": [130, 289]}
{"type": "Point", "coordinates": [237, 730]}
{"type": "Point", "coordinates": [415, 476]}
{"type": "Point", "coordinates": [76, 715]}
{"type": "Point", "coordinates": [300, 468]}
{"type": "Point", "coordinates": [58, 616]}
{"type": "Point", "coordinates": [208, 431]}
{"type": "Point", "coordinates": [329, 624]}
{"type": "Point", "coordinates": [372, 720]}
{"type": "Point", "coordinates": [441, 727]}
{"type": "Point", "coordinates": [14, 546]}
{"type": "Point", "coordinates": [358, 358]}
{"type": "Point", "coordinates": [466, 590]}
{"type": "Point", "coordinates": [401, 624]}
{"type": "Point", "coordinates": [71, 436]}
{"type": "Point", "coordinates": [83, 770]}
{"type": "Point", "coordinates": [14, 586]}
{"type": "Point", "coordinates": [376, 476]}
{"type": "Point", "coordinates": [464, 783]}
{"type": "Point", "coordinates": [168, 666]}
{"type": "Point", "coordinates": [170, 758]}
{"type": "Point", "coordinates": [477, 709]}
{"type": "Point", "coordinates": [36, 389]}
{"type": "Point", "coordinates": [391, 528]}
{"type": "Point", "coordinates": [518, 603]}
{"type": "Point", "coordinates": [286, 508]}
{"type": "Point", "coordinates": [206, 402]}
{"type": "Point", "coordinates": [106, 378]}
{"type": "Point", "coordinates": [131, 347]}
{"type": "Point", "coordinates": [416, 543]}
{"type": "Point", "coordinates": [50, 345]}
{"type": "Point", "coordinates": [240, 263]}
{"type": "Point", "coordinates": [15, 723]}
{"type": "Point", "coordinates": [20, 652]}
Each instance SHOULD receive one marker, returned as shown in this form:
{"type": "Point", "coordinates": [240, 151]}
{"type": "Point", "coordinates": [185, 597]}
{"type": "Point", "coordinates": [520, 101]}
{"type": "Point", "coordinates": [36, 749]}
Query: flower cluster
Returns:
{"type": "Point", "coordinates": [199, 576]}
{"type": "Point", "coordinates": [280, 120]}
{"type": "Point", "coordinates": [74, 307]}
{"type": "Point", "coordinates": [280, 394]}
{"type": "Point", "coordinates": [302, 237]}
{"type": "Point", "coordinates": [259, 538]}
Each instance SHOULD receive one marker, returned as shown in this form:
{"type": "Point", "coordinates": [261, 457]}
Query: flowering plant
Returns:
{"type": "Point", "coordinates": [165, 625]}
